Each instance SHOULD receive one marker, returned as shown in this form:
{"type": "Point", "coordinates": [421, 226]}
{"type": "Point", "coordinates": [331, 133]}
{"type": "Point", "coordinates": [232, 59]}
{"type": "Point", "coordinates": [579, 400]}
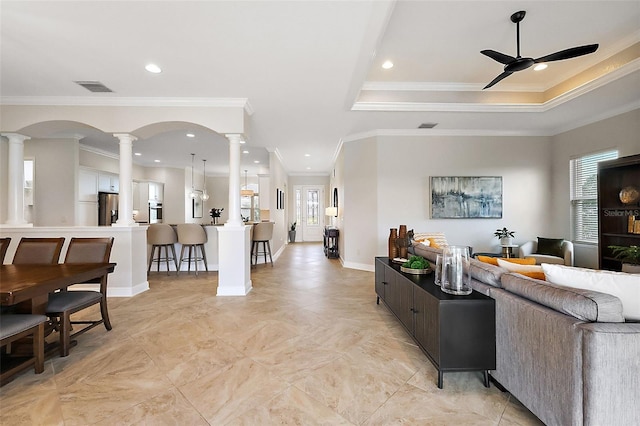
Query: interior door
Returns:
{"type": "Point", "coordinates": [310, 212]}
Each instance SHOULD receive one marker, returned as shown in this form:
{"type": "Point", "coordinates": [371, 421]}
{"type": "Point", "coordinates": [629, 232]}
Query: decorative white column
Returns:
{"type": "Point", "coordinates": [235, 217]}
{"type": "Point", "coordinates": [15, 168]}
{"type": "Point", "coordinates": [234, 260]}
{"type": "Point", "coordinates": [125, 199]}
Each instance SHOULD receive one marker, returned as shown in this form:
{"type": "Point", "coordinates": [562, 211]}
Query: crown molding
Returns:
{"type": "Point", "coordinates": [442, 132]}
{"type": "Point", "coordinates": [127, 101]}
{"type": "Point", "coordinates": [624, 70]}
{"type": "Point", "coordinates": [594, 119]}
{"type": "Point", "coordinates": [418, 86]}
{"type": "Point", "coordinates": [98, 151]}
{"type": "Point", "coordinates": [445, 107]}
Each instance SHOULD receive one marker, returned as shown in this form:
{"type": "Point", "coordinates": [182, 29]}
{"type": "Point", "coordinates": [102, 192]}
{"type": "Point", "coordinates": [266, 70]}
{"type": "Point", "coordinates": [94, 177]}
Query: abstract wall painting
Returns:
{"type": "Point", "coordinates": [466, 197]}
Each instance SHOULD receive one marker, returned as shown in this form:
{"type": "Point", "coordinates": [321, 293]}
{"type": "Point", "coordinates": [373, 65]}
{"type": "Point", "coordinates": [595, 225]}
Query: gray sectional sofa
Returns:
{"type": "Point", "coordinates": [567, 354]}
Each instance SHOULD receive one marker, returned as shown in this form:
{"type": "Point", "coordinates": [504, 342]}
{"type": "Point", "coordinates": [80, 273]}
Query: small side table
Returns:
{"type": "Point", "coordinates": [507, 250]}
{"type": "Point", "coordinates": [331, 242]}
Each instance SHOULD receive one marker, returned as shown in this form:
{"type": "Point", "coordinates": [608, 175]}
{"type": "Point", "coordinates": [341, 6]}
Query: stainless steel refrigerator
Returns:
{"type": "Point", "coordinates": [107, 208]}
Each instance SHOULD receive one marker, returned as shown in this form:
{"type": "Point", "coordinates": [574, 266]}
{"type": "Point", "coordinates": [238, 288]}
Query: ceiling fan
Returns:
{"type": "Point", "coordinates": [519, 63]}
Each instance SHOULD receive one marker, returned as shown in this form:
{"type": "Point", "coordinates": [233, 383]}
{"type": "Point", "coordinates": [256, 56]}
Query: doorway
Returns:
{"type": "Point", "coordinates": [309, 203]}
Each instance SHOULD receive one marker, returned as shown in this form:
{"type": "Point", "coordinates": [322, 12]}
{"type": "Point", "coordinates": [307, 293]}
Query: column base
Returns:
{"type": "Point", "coordinates": [234, 262]}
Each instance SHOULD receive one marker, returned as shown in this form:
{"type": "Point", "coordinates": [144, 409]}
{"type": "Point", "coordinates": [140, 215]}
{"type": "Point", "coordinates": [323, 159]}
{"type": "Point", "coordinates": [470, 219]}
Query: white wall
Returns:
{"type": "Point", "coordinates": [386, 184]}
{"type": "Point", "coordinates": [362, 198]}
{"type": "Point", "coordinates": [621, 132]}
{"type": "Point", "coordinates": [55, 180]}
{"type": "Point", "coordinates": [281, 218]}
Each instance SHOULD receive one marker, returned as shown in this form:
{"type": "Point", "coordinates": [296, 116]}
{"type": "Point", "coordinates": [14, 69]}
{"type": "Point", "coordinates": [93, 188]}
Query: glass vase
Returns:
{"type": "Point", "coordinates": [456, 271]}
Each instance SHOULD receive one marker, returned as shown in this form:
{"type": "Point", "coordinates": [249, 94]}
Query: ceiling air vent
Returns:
{"type": "Point", "coordinates": [427, 125]}
{"type": "Point", "coordinates": [94, 86]}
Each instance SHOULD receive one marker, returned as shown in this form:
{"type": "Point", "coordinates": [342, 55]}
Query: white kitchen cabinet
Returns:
{"type": "Point", "coordinates": [87, 185]}
{"type": "Point", "coordinates": [108, 182]}
{"type": "Point", "coordinates": [156, 191]}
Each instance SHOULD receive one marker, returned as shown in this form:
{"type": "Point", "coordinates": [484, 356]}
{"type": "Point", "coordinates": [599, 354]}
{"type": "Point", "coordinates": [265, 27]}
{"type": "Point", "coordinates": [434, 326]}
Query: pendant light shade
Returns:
{"type": "Point", "coordinates": [246, 191]}
{"type": "Point", "coordinates": [193, 194]}
{"type": "Point", "coordinates": [204, 195]}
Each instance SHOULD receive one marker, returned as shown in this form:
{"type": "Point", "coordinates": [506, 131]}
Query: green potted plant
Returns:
{"type": "Point", "coordinates": [292, 232]}
{"type": "Point", "coordinates": [630, 257]}
{"type": "Point", "coordinates": [505, 236]}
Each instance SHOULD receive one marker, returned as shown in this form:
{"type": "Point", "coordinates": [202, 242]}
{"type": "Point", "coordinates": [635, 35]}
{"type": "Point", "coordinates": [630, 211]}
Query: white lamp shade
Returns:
{"type": "Point", "coordinates": [331, 211]}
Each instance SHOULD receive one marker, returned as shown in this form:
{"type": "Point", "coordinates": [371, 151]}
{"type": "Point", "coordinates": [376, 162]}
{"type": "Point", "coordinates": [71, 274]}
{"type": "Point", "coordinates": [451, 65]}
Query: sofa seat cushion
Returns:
{"type": "Point", "coordinates": [545, 258]}
{"type": "Point", "coordinates": [486, 273]}
{"type": "Point", "coordinates": [586, 305]}
{"type": "Point", "coordinates": [625, 287]}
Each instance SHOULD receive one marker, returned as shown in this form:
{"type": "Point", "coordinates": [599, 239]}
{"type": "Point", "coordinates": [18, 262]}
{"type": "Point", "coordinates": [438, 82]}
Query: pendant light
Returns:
{"type": "Point", "coordinates": [204, 195]}
{"type": "Point", "coordinates": [193, 194]}
{"type": "Point", "coordinates": [246, 191]}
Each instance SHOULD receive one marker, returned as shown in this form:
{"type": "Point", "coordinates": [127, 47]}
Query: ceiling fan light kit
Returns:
{"type": "Point", "coordinates": [518, 63]}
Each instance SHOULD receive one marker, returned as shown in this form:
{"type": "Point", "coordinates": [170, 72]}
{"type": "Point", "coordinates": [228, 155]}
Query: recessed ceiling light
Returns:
{"type": "Point", "coordinates": [153, 68]}
{"type": "Point", "coordinates": [308, 168]}
{"type": "Point", "coordinates": [307, 155]}
{"type": "Point", "coordinates": [256, 161]}
{"type": "Point", "coordinates": [540, 67]}
{"type": "Point", "coordinates": [245, 152]}
{"type": "Point", "coordinates": [138, 154]}
{"type": "Point", "coordinates": [387, 65]}
{"type": "Point", "coordinates": [191, 135]}
{"type": "Point", "coordinates": [156, 161]}
{"type": "Point", "coordinates": [243, 141]}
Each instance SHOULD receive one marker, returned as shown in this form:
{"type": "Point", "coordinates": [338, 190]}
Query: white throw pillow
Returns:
{"type": "Point", "coordinates": [625, 287]}
{"type": "Point", "coordinates": [516, 267]}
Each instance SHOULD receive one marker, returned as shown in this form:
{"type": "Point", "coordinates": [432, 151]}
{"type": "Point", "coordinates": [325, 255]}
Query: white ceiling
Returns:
{"type": "Point", "coordinates": [303, 66]}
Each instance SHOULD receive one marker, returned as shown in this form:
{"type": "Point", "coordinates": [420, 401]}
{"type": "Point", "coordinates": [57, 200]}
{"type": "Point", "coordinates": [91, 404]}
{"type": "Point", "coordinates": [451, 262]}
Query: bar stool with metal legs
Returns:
{"type": "Point", "coordinates": [161, 235]}
{"type": "Point", "coordinates": [192, 236]}
{"type": "Point", "coordinates": [262, 233]}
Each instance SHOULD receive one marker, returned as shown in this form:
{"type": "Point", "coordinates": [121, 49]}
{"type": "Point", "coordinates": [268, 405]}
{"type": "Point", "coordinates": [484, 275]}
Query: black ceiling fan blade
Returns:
{"type": "Point", "coordinates": [497, 56]}
{"type": "Point", "coordinates": [497, 79]}
{"type": "Point", "coordinates": [568, 53]}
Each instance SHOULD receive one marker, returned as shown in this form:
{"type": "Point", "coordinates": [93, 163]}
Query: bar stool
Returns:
{"type": "Point", "coordinates": [161, 235]}
{"type": "Point", "coordinates": [192, 235]}
{"type": "Point", "coordinates": [262, 233]}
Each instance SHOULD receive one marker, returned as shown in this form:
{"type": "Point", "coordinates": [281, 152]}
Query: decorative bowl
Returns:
{"type": "Point", "coordinates": [416, 271]}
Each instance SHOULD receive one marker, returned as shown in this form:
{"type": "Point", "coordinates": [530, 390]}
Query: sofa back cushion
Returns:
{"type": "Point", "coordinates": [625, 287]}
{"type": "Point", "coordinates": [427, 252]}
{"type": "Point", "coordinates": [586, 305]}
{"type": "Point", "coordinates": [487, 273]}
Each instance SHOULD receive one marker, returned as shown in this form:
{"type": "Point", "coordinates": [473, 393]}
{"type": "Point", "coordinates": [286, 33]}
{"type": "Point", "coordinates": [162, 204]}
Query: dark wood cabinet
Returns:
{"type": "Point", "coordinates": [457, 333]}
{"type": "Point", "coordinates": [618, 223]}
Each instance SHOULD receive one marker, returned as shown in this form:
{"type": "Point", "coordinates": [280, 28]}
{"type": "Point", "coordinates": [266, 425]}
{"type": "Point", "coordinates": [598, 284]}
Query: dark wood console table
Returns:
{"type": "Point", "coordinates": [457, 333]}
{"type": "Point", "coordinates": [331, 242]}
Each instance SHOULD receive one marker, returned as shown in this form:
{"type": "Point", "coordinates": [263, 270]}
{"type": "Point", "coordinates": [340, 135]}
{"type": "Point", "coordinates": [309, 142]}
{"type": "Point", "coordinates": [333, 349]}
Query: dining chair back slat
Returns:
{"type": "Point", "coordinates": [38, 251]}
{"type": "Point", "coordinates": [4, 245]}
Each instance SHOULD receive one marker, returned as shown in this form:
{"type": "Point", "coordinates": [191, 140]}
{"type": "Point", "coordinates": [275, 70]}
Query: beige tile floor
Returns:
{"type": "Point", "coordinates": [307, 346]}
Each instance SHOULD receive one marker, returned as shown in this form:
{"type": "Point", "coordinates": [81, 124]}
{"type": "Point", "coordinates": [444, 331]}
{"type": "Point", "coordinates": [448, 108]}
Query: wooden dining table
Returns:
{"type": "Point", "coordinates": [28, 286]}
{"type": "Point", "coordinates": [26, 289]}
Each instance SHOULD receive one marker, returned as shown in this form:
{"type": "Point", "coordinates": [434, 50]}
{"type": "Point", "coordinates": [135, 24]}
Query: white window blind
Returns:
{"type": "Point", "coordinates": [584, 195]}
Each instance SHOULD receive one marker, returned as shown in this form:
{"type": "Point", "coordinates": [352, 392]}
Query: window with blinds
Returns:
{"type": "Point", "coordinates": [584, 195]}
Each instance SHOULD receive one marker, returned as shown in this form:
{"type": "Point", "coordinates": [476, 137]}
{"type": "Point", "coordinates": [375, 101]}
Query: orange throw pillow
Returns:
{"type": "Point", "coordinates": [525, 261]}
{"type": "Point", "coordinates": [432, 243]}
{"type": "Point", "coordinates": [534, 274]}
{"type": "Point", "coordinates": [488, 259]}
{"type": "Point", "coordinates": [516, 260]}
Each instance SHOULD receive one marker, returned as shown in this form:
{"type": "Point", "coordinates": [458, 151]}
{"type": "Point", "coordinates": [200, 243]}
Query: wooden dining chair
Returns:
{"type": "Point", "coordinates": [4, 245]}
{"type": "Point", "coordinates": [15, 327]}
{"type": "Point", "coordinates": [38, 251]}
{"type": "Point", "coordinates": [63, 304]}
